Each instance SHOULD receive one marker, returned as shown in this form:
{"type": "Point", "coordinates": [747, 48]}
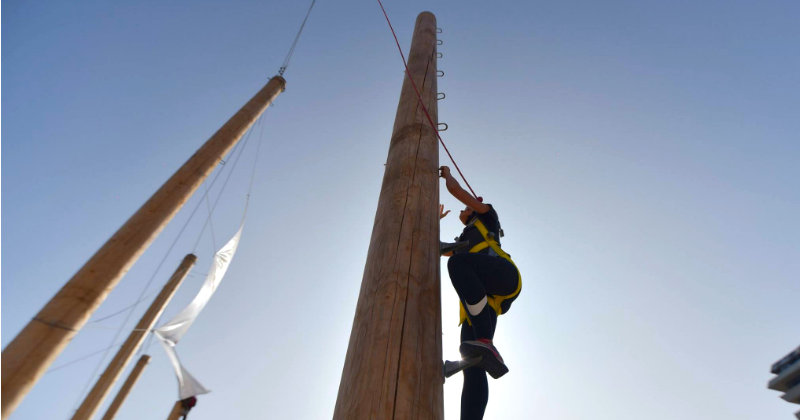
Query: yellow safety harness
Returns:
{"type": "Point", "coordinates": [489, 242]}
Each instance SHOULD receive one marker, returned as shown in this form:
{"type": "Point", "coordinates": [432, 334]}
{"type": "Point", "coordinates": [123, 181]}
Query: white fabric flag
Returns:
{"type": "Point", "coordinates": [170, 333]}
{"type": "Point", "coordinates": [188, 386]}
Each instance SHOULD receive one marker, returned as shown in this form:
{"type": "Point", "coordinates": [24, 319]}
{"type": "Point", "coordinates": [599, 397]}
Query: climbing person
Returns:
{"type": "Point", "coordinates": [487, 282]}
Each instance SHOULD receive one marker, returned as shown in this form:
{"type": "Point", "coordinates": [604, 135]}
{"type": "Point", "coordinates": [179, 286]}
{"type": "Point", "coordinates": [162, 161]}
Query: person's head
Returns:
{"type": "Point", "coordinates": [468, 213]}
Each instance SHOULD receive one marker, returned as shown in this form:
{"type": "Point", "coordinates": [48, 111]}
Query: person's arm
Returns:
{"type": "Point", "coordinates": [461, 194]}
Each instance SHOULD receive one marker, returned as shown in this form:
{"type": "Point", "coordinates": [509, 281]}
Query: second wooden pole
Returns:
{"type": "Point", "coordinates": [177, 411]}
{"type": "Point", "coordinates": [126, 388]}
{"type": "Point", "coordinates": [132, 343]}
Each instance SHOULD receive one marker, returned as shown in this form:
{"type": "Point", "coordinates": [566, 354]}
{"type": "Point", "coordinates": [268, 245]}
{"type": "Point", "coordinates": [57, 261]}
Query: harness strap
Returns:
{"type": "Point", "coordinates": [493, 300]}
{"type": "Point", "coordinates": [480, 247]}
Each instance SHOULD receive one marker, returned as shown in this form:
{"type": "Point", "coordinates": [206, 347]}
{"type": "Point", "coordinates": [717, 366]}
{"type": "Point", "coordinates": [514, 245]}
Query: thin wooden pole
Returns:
{"type": "Point", "coordinates": [103, 386]}
{"type": "Point", "coordinates": [126, 388]}
{"type": "Point", "coordinates": [34, 349]}
{"type": "Point", "coordinates": [393, 367]}
{"type": "Point", "coordinates": [177, 411]}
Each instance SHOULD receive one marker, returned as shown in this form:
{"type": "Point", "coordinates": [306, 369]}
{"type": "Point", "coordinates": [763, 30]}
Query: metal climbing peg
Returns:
{"type": "Point", "coordinates": [439, 42]}
{"type": "Point", "coordinates": [440, 129]}
{"type": "Point", "coordinates": [451, 368]}
{"type": "Point", "coordinates": [439, 73]}
{"type": "Point", "coordinates": [438, 30]}
{"type": "Point", "coordinates": [445, 247]}
{"type": "Point", "coordinates": [439, 55]}
{"type": "Point", "coordinates": [439, 98]}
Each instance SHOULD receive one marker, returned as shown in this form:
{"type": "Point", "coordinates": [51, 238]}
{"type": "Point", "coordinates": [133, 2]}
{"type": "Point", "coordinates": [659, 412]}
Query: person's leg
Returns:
{"type": "Point", "coordinates": [475, 392]}
{"type": "Point", "coordinates": [475, 276]}
{"type": "Point", "coordinates": [498, 275]}
{"type": "Point", "coordinates": [463, 275]}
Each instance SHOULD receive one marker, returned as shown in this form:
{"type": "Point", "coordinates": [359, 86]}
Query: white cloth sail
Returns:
{"type": "Point", "coordinates": [170, 333]}
{"type": "Point", "coordinates": [188, 386]}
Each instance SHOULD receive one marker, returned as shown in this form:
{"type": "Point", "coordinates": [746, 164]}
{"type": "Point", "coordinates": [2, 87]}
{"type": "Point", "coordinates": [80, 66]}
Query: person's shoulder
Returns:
{"type": "Point", "coordinates": [492, 212]}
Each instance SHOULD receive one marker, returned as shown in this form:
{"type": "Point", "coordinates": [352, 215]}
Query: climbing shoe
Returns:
{"type": "Point", "coordinates": [491, 361]}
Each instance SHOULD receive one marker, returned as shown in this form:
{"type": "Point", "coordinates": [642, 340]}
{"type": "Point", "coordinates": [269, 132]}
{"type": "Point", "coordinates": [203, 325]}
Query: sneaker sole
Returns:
{"type": "Point", "coordinates": [489, 361]}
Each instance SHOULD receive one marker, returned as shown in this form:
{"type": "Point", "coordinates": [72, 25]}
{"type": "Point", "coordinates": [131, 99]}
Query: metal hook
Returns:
{"type": "Point", "coordinates": [439, 55]}
{"type": "Point", "coordinates": [439, 129]}
{"type": "Point", "coordinates": [438, 30]}
{"type": "Point", "coordinates": [439, 73]}
{"type": "Point", "coordinates": [439, 42]}
{"type": "Point", "coordinates": [439, 98]}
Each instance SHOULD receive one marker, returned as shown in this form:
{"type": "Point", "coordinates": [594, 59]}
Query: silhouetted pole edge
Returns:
{"type": "Point", "coordinates": [126, 388]}
{"type": "Point", "coordinates": [125, 353]}
{"type": "Point", "coordinates": [34, 349]}
{"type": "Point", "coordinates": [393, 367]}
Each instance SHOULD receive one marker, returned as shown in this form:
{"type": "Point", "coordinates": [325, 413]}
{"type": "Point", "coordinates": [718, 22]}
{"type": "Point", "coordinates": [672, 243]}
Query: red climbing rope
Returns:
{"type": "Point", "coordinates": [430, 120]}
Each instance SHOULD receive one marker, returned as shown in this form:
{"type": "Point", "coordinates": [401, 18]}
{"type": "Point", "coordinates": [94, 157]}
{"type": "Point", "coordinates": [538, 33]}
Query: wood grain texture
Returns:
{"type": "Point", "coordinates": [393, 367]}
{"type": "Point", "coordinates": [34, 349]}
{"type": "Point", "coordinates": [126, 387]}
{"type": "Point", "coordinates": [100, 390]}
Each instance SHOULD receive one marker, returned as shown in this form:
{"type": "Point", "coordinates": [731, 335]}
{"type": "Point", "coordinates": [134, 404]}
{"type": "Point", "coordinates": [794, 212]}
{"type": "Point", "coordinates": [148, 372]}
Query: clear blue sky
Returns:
{"type": "Point", "coordinates": [642, 156]}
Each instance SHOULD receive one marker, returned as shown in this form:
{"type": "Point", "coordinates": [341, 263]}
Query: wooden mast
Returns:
{"type": "Point", "coordinates": [103, 386]}
{"type": "Point", "coordinates": [393, 367]}
{"type": "Point", "coordinates": [177, 411]}
{"type": "Point", "coordinates": [34, 349]}
{"type": "Point", "coordinates": [138, 368]}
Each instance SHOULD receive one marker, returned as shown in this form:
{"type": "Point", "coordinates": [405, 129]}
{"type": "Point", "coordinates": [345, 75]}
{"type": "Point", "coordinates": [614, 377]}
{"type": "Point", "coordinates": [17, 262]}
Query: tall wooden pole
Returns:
{"type": "Point", "coordinates": [122, 395]}
{"type": "Point", "coordinates": [129, 347]}
{"type": "Point", "coordinates": [176, 412]}
{"type": "Point", "coordinates": [28, 356]}
{"type": "Point", "coordinates": [393, 367]}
